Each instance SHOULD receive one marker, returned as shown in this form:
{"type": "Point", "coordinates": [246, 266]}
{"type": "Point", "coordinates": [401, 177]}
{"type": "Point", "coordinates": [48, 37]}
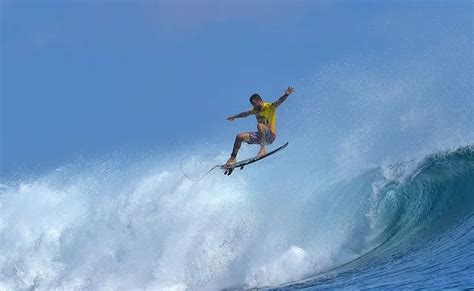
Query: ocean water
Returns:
{"type": "Point", "coordinates": [421, 230]}
{"type": "Point", "coordinates": [409, 225]}
{"type": "Point", "coordinates": [375, 190]}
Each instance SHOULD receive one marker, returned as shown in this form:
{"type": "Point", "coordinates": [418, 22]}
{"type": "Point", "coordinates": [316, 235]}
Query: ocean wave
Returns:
{"type": "Point", "coordinates": [128, 226]}
{"type": "Point", "coordinates": [404, 208]}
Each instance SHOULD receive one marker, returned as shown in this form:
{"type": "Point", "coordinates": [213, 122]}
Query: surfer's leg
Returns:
{"type": "Point", "coordinates": [262, 151]}
{"type": "Point", "coordinates": [241, 137]}
{"type": "Point", "coordinates": [262, 129]}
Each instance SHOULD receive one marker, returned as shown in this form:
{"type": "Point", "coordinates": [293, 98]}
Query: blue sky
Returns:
{"type": "Point", "coordinates": [88, 77]}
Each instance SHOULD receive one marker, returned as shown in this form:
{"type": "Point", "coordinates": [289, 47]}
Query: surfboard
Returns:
{"type": "Point", "coordinates": [243, 163]}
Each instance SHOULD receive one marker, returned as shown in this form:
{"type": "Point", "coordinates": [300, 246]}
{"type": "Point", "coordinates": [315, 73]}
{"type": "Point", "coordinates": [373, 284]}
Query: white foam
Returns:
{"type": "Point", "coordinates": [292, 265]}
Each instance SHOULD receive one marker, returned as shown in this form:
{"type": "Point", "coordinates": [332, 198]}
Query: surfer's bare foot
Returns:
{"type": "Point", "coordinates": [228, 164]}
{"type": "Point", "coordinates": [261, 152]}
{"type": "Point", "coordinates": [230, 161]}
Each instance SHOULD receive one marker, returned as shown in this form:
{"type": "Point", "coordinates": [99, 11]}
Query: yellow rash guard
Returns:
{"type": "Point", "coordinates": [267, 115]}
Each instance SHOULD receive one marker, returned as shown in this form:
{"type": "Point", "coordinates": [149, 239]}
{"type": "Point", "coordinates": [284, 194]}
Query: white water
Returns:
{"type": "Point", "coordinates": [155, 229]}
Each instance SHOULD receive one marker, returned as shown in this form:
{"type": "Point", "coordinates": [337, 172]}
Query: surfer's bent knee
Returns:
{"type": "Point", "coordinates": [241, 136]}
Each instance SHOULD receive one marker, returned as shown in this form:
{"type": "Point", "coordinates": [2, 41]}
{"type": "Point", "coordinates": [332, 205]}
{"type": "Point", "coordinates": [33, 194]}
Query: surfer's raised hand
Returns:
{"type": "Point", "coordinates": [282, 99]}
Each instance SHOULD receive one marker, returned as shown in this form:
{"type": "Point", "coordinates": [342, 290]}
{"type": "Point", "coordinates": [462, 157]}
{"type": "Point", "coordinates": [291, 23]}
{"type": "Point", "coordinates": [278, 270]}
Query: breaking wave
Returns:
{"type": "Point", "coordinates": [110, 225]}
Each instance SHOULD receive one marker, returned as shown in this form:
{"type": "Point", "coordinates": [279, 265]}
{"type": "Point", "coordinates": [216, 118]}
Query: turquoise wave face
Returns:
{"type": "Point", "coordinates": [420, 217]}
{"type": "Point", "coordinates": [436, 195]}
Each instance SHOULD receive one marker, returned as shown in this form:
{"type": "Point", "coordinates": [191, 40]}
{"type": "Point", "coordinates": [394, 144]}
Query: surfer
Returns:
{"type": "Point", "coordinates": [266, 124]}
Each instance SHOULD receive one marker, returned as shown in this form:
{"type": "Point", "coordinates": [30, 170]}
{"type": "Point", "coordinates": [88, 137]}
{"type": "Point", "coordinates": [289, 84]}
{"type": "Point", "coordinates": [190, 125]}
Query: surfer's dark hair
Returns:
{"type": "Point", "coordinates": [255, 97]}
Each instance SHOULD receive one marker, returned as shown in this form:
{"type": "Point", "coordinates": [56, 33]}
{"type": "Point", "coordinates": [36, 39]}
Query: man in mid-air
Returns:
{"type": "Point", "coordinates": [266, 124]}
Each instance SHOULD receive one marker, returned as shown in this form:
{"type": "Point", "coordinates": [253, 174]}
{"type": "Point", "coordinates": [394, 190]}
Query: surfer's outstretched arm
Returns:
{"type": "Point", "coordinates": [282, 99]}
{"type": "Point", "coordinates": [240, 115]}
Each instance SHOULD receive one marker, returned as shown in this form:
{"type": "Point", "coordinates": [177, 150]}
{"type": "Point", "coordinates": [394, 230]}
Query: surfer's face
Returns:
{"type": "Point", "coordinates": [257, 104]}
